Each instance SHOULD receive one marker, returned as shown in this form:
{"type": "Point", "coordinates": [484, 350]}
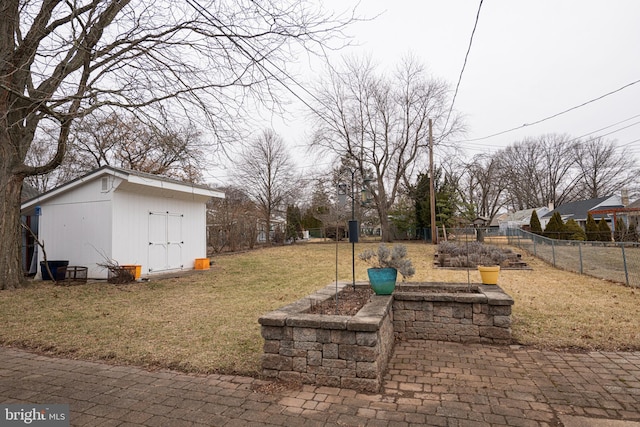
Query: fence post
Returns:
{"type": "Point", "coordinates": [533, 237]}
{"type": "Point", "coordinates": [553, 252]}
{"type": "Point", "coordinates": [624, 260]}
{"type": "Point", "coordinates": [580, 252]}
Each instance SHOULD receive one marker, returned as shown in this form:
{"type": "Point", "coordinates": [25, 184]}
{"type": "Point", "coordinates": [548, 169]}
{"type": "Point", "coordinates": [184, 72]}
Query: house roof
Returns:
{"type": "Point", "coordinates": [130, 177]}
{"type": "Point", "coordinates": [524, 216]}
{"type": "Point", "coordinates": [635, 204]}
{"type": "Point", "coordinates": [28, 192]}
{"type": "Point", "coordinates": [480, 220]}
{"type": "Point", "coordinates": [580, 209]}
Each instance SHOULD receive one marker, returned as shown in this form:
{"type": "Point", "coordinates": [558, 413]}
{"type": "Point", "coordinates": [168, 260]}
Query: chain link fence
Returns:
{"type": "Point", "coordinates": [615, 261]}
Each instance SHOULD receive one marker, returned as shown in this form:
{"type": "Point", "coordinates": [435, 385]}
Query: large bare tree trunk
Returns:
{"type": "Point", "coordinates": [10, 241]}
{"type": "Point", "coordinates": [385, 228]}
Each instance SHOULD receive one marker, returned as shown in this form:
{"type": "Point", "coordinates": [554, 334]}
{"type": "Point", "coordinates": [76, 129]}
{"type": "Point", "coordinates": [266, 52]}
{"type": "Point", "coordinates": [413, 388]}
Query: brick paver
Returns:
{"type": "Point", "coordinates": [427, 383]}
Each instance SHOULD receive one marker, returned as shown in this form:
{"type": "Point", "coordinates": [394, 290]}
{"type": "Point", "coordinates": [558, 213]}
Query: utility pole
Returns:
{"type": "Point", "coordinates": [432, 193]}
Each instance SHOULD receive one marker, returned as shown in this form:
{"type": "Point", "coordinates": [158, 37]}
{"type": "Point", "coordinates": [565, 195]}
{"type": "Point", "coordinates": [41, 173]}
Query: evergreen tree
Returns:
{"type": "Point", "coordinates": [422, 204]}
{"type": "Point", "coordinates": [534, 223]}
{"type": "Point", "coordinates": [574, 231]}
{"type": "Point", "coordinates": [633, 233]}
{"type": "Point", "coordinates": [310, 221]}
{"type": "Point", "coordinates": [591, 229]}
{"type": "Point", "coordinates": [604, 232]}
{"type": "Point", "coordinates": [403, 218]}
{"type": "Point", "coordinates": [620, 231]}
{"type": "Point", "coordinates": [555, 227]}
{"type": "Point", "coordinates": [294, 223]}
{"type": "Point", "coordinates": [446, 202]}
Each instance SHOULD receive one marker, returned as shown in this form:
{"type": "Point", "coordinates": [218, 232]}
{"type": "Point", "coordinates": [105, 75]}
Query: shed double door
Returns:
{"type": "Point", "coordinates": [165, 241]}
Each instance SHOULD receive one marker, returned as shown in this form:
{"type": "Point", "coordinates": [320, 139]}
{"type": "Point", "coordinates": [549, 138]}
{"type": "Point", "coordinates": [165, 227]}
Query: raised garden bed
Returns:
{"type": "Point", "coordinates": [452, 312]}
{"type": "Point", "coordinates": [331, 350]}
{"type": "Point", "coordinates": [473, 254]}
{"type": "Point", "coordinates": [352, 351]}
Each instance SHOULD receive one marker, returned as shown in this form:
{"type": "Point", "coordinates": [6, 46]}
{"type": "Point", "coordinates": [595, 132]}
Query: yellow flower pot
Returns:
{"type": "Point", "coordinates": [489, 274]}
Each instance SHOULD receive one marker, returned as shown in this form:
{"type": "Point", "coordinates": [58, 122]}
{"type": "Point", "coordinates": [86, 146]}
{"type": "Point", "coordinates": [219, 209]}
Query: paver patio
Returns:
{"type": "Point", "coordinates": [428, 383]}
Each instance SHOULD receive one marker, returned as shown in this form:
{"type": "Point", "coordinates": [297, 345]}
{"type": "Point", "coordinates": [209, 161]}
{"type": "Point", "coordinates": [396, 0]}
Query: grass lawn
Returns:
{"type": "Point", "coordinates": [207, 321]}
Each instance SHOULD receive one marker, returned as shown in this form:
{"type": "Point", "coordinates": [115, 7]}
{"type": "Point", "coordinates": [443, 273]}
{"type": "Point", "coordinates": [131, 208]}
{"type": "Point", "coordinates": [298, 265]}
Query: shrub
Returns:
{"type": "Point", "coordinates": [389, 258]}
{"type": "Point", "coordinates": [632, 236]}
{"type": "Point", "coordinates": [555, 228]}
{"type": "Point", "coordinates": [591, 229]}
{"type": "Point", "coordinates": [604, 232]}
{"type": "Point", "coordinates": [534, 223]}
{"type": "Point", "coordinates": [620, 232]}
{"type": "Point", "coordinates": [574, 231]}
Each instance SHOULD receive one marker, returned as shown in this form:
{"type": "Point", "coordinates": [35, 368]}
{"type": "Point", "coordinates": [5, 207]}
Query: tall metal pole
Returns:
{"type": "Point", "coordinates": [434, 229]}
{"type": "Point", "coordinates": [352, 238]}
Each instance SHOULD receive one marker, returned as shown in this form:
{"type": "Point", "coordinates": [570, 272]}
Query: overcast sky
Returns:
{"type": "Point", "coordinates": [529, 60]}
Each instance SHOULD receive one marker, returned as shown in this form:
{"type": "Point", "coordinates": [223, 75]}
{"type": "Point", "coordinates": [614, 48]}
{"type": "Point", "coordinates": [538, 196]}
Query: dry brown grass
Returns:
{"type": "Point", "coordinates": [207, 322]}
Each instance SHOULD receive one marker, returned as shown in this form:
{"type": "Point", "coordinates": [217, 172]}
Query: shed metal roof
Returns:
{"type": "Point", "coordinates": [130, 176]}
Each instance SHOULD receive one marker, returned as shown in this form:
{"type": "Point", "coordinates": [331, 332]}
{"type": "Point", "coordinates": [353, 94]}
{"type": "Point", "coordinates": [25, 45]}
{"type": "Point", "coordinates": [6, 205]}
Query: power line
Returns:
{"type": "Point", "coordinates": [629, 143]}
{"type": "Point", "coordinates": [464, 144]}
{"type": "Point", "coordinates": [612, 125]}
{"type": "Point", "coordinates": [466, 56]}
{"type": "Point", "coordinates": [553, 115]}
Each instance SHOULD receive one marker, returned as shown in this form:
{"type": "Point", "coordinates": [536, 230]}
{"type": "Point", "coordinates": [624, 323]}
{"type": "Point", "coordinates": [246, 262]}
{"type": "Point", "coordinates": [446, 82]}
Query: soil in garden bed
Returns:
{"type": "Point", "coordinates": [350, 301]}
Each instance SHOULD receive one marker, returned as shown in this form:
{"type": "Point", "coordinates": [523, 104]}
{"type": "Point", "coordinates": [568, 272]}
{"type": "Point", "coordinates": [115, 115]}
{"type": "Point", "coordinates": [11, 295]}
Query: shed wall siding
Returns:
{"type": "Point", "coordinates": [76, 226]}
{"type": "Point", "coordinates": [132, 234]}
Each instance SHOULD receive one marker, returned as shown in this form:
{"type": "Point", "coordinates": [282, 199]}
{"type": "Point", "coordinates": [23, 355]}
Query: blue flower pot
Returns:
{"type": "Point", "coordinates": [382, 280]}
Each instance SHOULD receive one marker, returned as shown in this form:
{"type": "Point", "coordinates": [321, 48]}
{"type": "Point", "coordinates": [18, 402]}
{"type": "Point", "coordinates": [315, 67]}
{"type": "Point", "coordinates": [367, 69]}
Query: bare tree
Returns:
{"type": "Point", "coordinates": [232, 222]}
{"type": "Point", "coordinates": [123, 141]}
{"type": "Point", "coordinates": [265, 171]}
{"type": "Point", "coordinates": [380, 124]}
{"type": "Point", "coordinates": [482, 185]}
{"type": "Point", "coordinates": [538, 171]}
{"type": "Point", "coordinates": [322, 204]}
{"type": "Point", "coordinates": [603, 169]}
{"type": "Point", "coordinates": [41, 148]}
{"type": "Point", "coordinates": [60, 60]}
{"type": "Point", "coordinates": [130, 143]}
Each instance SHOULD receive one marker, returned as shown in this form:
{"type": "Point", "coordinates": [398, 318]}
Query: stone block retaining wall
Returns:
{"type": "Point", "coordinates": [337, 351]}
{"type": "Point", "coordinates": [353, 351]}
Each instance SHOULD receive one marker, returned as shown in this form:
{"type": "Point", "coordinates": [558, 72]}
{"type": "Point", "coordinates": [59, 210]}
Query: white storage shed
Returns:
{"type": "Point", "coordinates": [129, 217]}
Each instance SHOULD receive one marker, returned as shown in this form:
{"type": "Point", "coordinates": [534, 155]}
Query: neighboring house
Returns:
{"type": "Point", "coordinates": [497, 219]}
{"type": "Point", "coordinates": [28, 192]}
{"type": "Point", "coordinates": [120, 215]}
{"type": "Point", "coordinates": [520, 219]}
{"type": "Point", "coordinates": [633, 211]}
{"type": "Point", "coordinates": [579, 210]}
{"type": "Point", "coordinates": [278, 225]}
{"type": "Point", "coordinates": [480, 221]}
